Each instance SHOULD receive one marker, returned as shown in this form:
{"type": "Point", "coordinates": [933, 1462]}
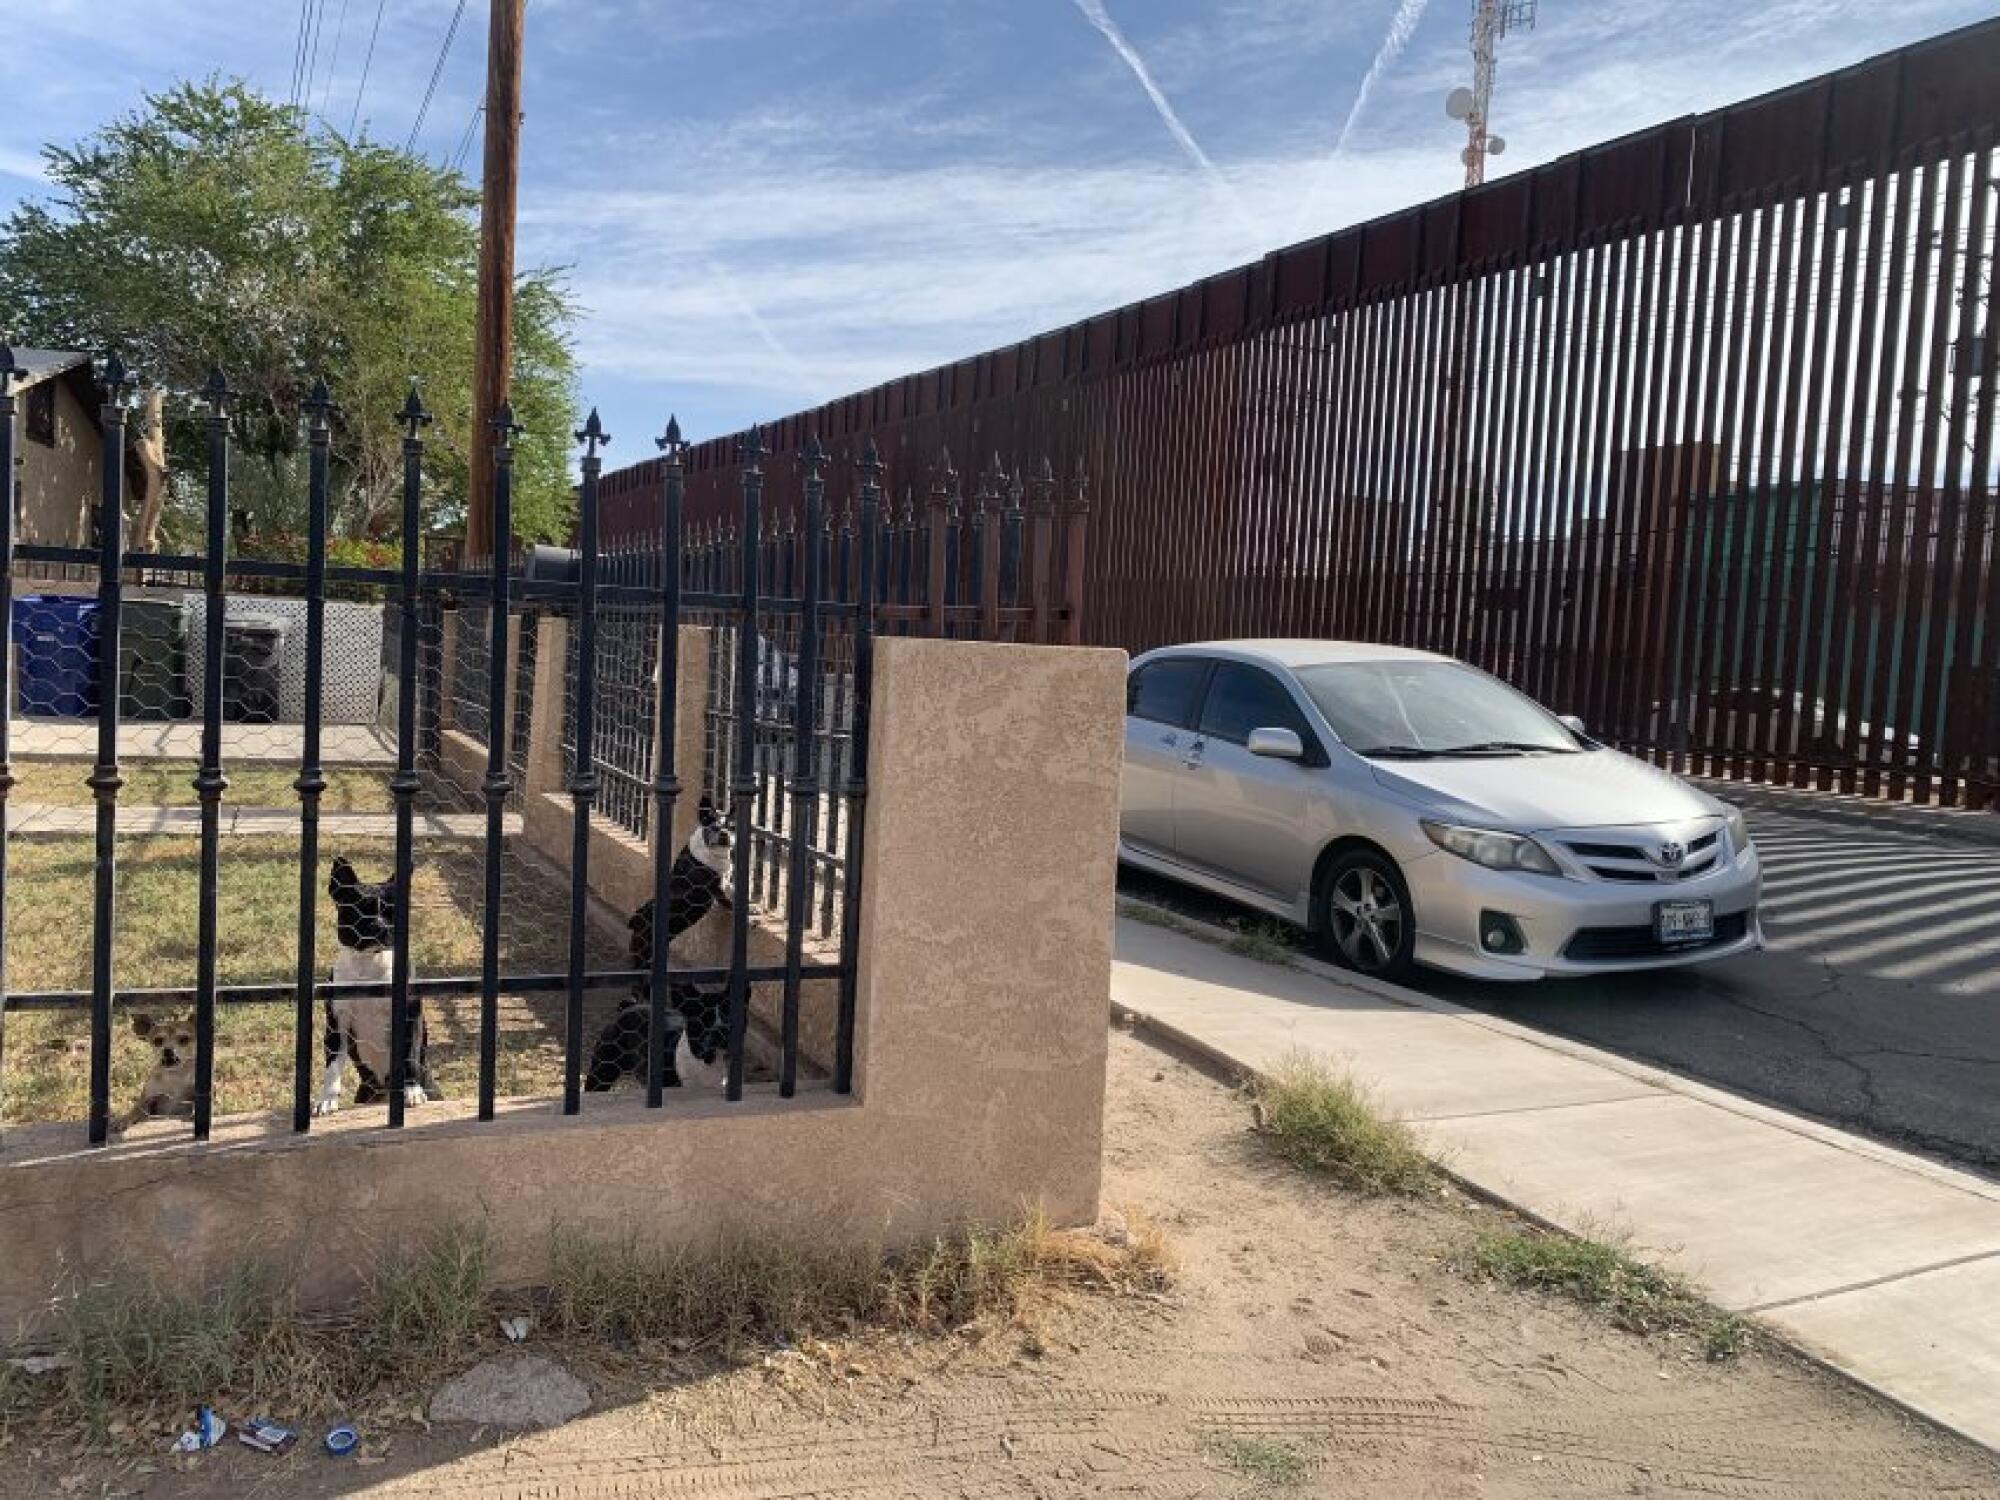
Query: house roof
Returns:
{"type": "Point", "coordinates": [32, 366]}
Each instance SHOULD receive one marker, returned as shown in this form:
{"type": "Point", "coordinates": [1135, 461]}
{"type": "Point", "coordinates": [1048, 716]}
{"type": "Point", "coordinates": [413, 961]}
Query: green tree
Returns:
{"type": "Point", "coordinates": [215, 227]}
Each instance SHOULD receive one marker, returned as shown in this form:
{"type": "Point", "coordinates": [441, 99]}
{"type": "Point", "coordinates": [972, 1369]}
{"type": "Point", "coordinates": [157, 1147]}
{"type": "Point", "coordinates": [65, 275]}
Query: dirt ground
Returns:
{"type": "Point", "coordinates": [1313, 1344]}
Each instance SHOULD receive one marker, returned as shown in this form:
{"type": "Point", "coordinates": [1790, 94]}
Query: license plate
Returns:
{"type": "Point", "coordinates": [1684, 921]}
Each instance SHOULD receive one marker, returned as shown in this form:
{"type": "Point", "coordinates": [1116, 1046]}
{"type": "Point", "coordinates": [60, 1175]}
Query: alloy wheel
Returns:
{"type": "Point", "coordinates": [1367, 919]}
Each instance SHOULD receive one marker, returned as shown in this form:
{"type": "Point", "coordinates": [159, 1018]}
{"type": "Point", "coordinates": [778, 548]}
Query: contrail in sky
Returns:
{"type": "Point", "coordinates": [732, 291]}
{"type": "Point", "coordinates": [1095, 13]}
{"type": "Point", "coordinates": [1401, 26]}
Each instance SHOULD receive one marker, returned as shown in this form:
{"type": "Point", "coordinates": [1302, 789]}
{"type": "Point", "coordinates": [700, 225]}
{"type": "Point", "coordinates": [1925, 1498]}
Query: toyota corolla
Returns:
{"type": "Point", "coordinates": [1408, 808]}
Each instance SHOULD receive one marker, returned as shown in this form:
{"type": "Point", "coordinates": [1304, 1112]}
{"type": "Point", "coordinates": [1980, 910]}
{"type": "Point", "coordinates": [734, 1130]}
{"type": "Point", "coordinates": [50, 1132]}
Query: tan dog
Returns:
{"type": "Point", "coordinates": [169, 1089]}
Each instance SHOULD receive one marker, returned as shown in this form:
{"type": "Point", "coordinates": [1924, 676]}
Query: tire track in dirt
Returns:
{"type": "Point", "coordinates": [1150, 1445]}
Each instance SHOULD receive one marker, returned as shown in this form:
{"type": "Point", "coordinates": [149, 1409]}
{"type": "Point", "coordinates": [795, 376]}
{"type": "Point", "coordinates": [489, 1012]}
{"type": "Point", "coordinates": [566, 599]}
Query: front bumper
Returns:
{"type": "Point", "coordinates": [1567, 923]}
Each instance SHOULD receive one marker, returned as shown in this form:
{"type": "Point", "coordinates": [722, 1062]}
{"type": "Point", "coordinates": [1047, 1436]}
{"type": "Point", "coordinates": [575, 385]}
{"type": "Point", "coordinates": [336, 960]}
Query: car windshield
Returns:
{"type": "Point", "coordinates": [1420, 709]}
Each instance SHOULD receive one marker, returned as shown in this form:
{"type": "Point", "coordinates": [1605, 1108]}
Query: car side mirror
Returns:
{"type": "Point", "coordinates": [1277, 744]}
{"type": "Point", "coordinates": [1572, 723]}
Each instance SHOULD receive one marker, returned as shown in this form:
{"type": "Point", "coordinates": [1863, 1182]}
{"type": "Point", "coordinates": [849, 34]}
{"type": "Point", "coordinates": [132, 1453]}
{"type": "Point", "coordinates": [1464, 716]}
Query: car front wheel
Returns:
{"type": "Point", "coordinates": [1365, 921]}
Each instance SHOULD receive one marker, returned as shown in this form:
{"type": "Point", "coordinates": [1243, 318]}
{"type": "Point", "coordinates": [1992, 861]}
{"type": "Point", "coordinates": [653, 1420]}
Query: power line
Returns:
{"type": "Point", "coordinates": [299, 47]}
{"type": "Point", "coordinates": [312, 57]}
{"type": "Point", "coordinates": [465, 141]}
{"type": "Point", "coordinates": [333, 62]}
{"type": "Point", "coordinates": [437, 72]}
{"type": "Point", "coordinates": [366, 63]}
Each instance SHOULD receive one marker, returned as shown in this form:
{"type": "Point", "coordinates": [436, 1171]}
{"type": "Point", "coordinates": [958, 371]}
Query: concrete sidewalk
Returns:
{"type": "Point", "coordinates": [1883, 1264]}
{"type": "Point", "coordinates": [67, 739]}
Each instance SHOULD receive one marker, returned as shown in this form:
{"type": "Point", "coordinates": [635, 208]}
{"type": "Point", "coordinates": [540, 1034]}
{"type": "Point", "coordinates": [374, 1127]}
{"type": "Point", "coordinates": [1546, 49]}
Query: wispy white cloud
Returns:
{"type": "Point", "coordinates": [865, 279]}
{"type": "Point", "coordinates": [26, 165]}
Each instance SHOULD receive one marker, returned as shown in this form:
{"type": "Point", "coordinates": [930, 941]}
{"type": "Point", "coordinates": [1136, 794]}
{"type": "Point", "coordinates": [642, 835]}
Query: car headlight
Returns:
{"type": "Point", "coordinates": [1495, 850]}
{"type": "Point", "coordinates": [1739, 829]}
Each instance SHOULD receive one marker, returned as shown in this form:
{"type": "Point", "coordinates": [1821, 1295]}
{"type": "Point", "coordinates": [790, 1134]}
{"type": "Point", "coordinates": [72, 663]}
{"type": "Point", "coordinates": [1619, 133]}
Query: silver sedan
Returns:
{"type": "Point", "coordinates": [1408, 808]}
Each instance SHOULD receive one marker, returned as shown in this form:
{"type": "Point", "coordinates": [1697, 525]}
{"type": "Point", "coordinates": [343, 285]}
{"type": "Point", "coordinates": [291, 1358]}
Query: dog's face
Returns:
{"type": "Point", "coordinates": [172, 1043]}
{"type": "Point", "coordinates": [366, 914]}
{"type": "Point", "coordinates": [711, 840]}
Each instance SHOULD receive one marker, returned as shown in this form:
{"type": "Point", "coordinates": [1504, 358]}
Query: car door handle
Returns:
{"type": "Point", "coordinates": [1193, 758]}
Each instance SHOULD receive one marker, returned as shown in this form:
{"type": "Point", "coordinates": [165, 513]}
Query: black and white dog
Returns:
{"type": "Point", "coordinates": [697, 884]}
{"type": "Point", "coordinates": [695, 887]}
{"type": "Point", "coordinates": [357, 1027]}
{"type": "Point", "coordinates": [698, 1059]}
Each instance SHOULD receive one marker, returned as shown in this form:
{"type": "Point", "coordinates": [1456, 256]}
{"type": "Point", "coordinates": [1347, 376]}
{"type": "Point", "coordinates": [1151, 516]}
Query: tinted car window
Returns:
{"type": "Point", "coordinates": [1242, 698]}
{"type": "Point", "coordinates": [1164, 691]}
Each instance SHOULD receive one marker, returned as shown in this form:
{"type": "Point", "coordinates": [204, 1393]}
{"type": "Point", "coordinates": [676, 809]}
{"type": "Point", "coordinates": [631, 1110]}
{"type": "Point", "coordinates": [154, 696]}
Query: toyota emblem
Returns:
{"type": "Point", "coordinates": [1671, 855]}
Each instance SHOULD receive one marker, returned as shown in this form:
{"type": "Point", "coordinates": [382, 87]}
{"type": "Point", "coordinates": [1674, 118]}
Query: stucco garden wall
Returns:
{"type": "Point", "coordinates": [984, 967]}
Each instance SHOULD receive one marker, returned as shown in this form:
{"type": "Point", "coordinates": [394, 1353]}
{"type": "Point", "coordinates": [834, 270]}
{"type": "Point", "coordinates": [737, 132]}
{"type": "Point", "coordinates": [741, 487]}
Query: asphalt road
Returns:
{"type": "Point", "coordinates": [1876, 1006]}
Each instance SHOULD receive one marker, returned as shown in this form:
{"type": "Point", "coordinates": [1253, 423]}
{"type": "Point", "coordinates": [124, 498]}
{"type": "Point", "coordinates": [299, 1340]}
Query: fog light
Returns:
{"type": "Point", "coordinates": [1500, 933]}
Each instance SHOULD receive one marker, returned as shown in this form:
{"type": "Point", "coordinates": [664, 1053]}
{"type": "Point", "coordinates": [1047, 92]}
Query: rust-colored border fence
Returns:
{"type": "Point", "coordinates": [1691, 433]}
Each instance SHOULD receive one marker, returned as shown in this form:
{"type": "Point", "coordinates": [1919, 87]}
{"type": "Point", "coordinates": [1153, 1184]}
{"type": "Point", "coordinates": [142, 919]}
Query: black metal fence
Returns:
{"type": "Point", "coordinates": [786, 762]}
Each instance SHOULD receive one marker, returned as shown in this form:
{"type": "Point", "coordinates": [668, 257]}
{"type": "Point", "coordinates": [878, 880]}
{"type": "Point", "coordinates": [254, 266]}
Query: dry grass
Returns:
{"type": "Point", "coordinates": [738, 1287]}
{"type": "Point", "coordinates": [426, 1303]}
{"type": "Point", "coordinates": [132, 1338]}
{"type": "Point", "coordinates": [45, 1071]}
{"type": "Point", "coordinates": [1145, 913]}
{"type": "Point", "coordinates": [1319, 1118]}
{"type": "Point", "coordinates": [1635, 1296]}
{"type": "Point", "coordinates": [1262, 942]}
{"type": "Point", "coordinates": [1271, 1464]}
{"type": "Point", "coordinates": [138, 1346]}
{"type": "Point", "coordinates": [170, 783]}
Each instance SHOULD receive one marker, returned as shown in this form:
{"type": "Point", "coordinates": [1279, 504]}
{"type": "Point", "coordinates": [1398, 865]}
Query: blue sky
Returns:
{"type": "Point", "coordinates": [766, 203]}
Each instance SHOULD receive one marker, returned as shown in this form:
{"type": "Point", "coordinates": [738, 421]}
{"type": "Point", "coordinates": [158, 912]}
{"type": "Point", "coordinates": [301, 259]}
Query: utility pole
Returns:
{"type": "Point", "coordinates": [493, 340]}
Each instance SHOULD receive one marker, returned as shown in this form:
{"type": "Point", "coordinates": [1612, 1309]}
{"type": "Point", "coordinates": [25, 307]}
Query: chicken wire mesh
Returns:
{"type": "Point", "coordinates": [58, 651]}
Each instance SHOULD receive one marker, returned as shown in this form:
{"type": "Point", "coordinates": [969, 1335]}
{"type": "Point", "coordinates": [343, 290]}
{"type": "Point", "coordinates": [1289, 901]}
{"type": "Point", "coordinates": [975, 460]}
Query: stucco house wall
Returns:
{"type": "Point", "coordinates": [61, 480]}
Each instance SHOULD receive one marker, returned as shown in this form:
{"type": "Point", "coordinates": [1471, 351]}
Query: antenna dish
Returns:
{"type": "Point", "coordinates": [1458, 103]}
{"type": "Point", "coordinates": [1495, 145]}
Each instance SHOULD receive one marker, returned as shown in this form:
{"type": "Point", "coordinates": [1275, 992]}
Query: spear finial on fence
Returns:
{"type": "Point", "coordinates": [415, 418]}
{"type": "Point", "coordinates": [319, 408]}
{"type": "Point", "coordinates": [505, 428]}
{"type": "Point", "coordinates": [670, 442]}
{"type": "Point", "coordinates": [117, 381]}
{"type": "Point", "coordinates": [592, 434]}
{"type": "Point", "coordinates": [216, 392]}
{"type": "Point", "coordinates": [1044, 487]}
{"type": "Point", "coordinates": [814, 456]}
{"type": "Point", "coordinates": [871, 463]}
{"type": "Point", "coordinates": [983, 492]}
{"type": "Point", "coordinates": [750, 447]}
{"type": "Point", "coordinates": [944, 488]}
{"type": "Point", "coordinates": [1080, 489]}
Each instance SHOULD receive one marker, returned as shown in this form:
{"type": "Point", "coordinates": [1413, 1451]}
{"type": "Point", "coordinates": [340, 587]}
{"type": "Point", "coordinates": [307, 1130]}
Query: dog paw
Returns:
{"type": "Point", "coordinates": [324, 1107]}
{"type": "Point", "coordinates": [413, 1095]}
